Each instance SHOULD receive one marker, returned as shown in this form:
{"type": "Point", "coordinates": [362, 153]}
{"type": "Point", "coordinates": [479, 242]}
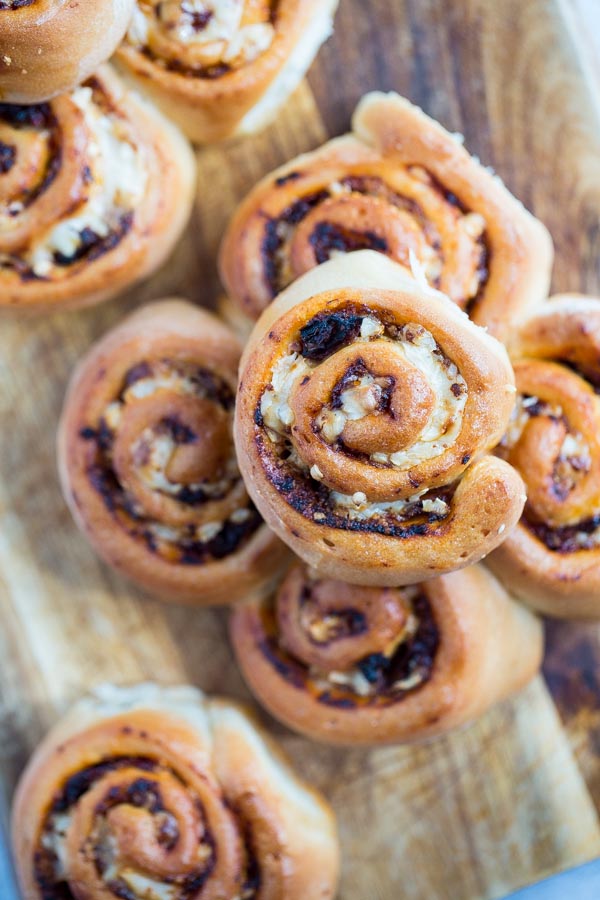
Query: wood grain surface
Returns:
{"type": "Point", "coordinates": [508, 799]}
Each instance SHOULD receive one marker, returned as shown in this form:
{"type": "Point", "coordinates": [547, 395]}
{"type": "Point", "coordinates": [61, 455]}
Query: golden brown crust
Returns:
{"type": "Point", "coordinates": [552, 559]}
{"type": "Point", "coordinates": [147, 464]}
{"type": "Point", "coordinates": [402, 185]}
{"type": "Point", "coordinates": [357, 665]}
{"type": "Point", "coordinates": [358, 389]}
{"type": "Point", "coordinates": [214, 72]}
{"type": "Point", "coordinates": [95, 193]}
{"type": "Point", "coordinates": [164, 792]}
{"type": "Point", "coordinates": [51, 46]}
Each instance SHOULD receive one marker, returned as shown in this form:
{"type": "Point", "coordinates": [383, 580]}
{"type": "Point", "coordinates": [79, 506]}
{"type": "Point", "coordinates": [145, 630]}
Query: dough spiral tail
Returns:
{"type": "Point", "coordinates": [366, 412]}
{"type": "Point", "coordinates": [366, 665]}
{"type": "Point", "coordinates": [552, 559]}
{"type": "Point", "coordinates": [147, 461]}
{"type": "Point", "coordinates": [151, 792]}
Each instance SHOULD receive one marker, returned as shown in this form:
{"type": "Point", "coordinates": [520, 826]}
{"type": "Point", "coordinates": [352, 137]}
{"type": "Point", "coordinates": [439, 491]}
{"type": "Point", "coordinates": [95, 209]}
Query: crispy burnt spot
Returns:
{"type": "Point", "coordinates": [143, 792]}
{"type": "Point", "coordinates": [379, 679]}
{"type": "Point", "coordinates": [186, 544]}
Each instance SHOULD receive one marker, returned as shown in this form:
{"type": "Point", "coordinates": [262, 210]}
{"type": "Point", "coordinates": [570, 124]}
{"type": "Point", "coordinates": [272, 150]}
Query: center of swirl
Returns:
{"type": "Point", "coordinates": [362, 394]}
{"type": "Point", "coordinates": [134, 828]}
{"type": "Point", "coordinates": [164, 462]}
{"type": "Point", "coordinates": [352, 645]}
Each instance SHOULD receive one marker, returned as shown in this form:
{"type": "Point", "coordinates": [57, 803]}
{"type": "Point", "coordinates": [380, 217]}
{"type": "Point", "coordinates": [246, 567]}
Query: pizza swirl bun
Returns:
{"type": "Point", "coordinates": [366, 410]}
{"type": "Point", "coordinates": [151, 793]}
{"type": "Point", "coordinates": [95, 190]}
{"type": "Point", "coordinates": [367, 665]}
{"type": "Point", "coordinates": [50, 46]}
{"type": "Point", "coordinates": [401, 185]}
{"type": "Point", "coordinates": [552, 558]}
{"type": "Point", "coordinates": [147, 462]}
{"type": "Point", "coordinates": [223, 67]}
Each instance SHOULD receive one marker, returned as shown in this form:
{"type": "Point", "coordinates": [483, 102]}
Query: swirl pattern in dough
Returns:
{"type": "Point", "coordinates": [552, 558]}
{"type": "Point", "coordinates": [367, 665]}
{"type": "Point", "coordinates": [403, 186]}
{"type": "Point", "coordinates": [152, 793]}
{"type": "Point", "coordinates": [95, 190]}
{"type": "Point", "coordinates": [223, 67]}
{"type": "Point", "coordinates": [147, 461]}
{"type": "Point", "coordinates": [366, 412]}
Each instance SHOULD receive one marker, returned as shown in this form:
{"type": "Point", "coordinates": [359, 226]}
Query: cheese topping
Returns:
{"type": "Point", "coordinates": [118, 177]}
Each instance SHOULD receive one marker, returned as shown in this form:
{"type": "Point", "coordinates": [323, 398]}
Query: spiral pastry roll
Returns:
{"type": "Point", "coordinates": [95, 189]}
{"type": "Point", "coordinates": [147, 463]}
{"type": "Point", "coordinates": [223, 67]}
{"type": "Point", "coordinates": [364, 417]}
{"type": "Point", "coordinates": [367, 665]}
{"type": "Point", "coordinates": [552, 559]}
{"type": "Point", "coordinates": [48, 47]}
{"type": "Point", "coordinates": [401, 185]}
{"type": "Point", "coordinates": [152, 793]}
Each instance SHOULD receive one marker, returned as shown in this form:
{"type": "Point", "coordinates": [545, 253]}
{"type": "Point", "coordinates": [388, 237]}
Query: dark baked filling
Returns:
{"type": "Point", "coordinates": [412, 661]}
{"type": "Point", "coordinates": [16, 4]}
{"type": "Point", "coordinates": [329, 237]}
{"type": "Point", "coordinates": [312, 500]}
{"type": "Point", "coordinates": [190, 550]}
{"type": "Point", "coordinates": [200, 21]}
{"type": "Point", "coordinates": [38, 117]}
{"type": "Point", "coordinates": [322, 336]}
{"type": "Point", "coordinates": [145, 793]}
{"type": "Point", "coordinates": [568, 538]}
{"type": "Point", "coordinates": [91, 246]}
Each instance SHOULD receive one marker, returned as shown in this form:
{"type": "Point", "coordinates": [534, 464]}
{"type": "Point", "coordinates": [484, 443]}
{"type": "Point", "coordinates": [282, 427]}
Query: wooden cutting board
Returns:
{"type": "Point", "coordinates": [512, 797]}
